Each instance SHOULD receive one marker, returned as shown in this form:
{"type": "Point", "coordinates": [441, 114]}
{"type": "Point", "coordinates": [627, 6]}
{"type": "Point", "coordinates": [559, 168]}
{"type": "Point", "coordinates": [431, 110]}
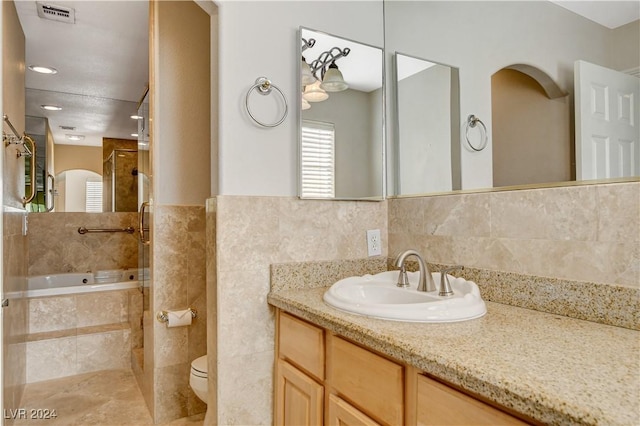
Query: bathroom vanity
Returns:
{"type": "Point", "coordinates": [320, 374]}
{"type": "Point", "coordinates": [512, 366]}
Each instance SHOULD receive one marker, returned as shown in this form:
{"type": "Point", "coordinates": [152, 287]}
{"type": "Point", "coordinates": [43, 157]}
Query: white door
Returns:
{"type": "Point", "coordinates": [607, 119]}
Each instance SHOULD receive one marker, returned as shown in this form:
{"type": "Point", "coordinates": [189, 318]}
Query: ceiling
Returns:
{"type": "Point", "coordinates": [102, 62]}
{"type": "Point", "coordinates": [609, 13]}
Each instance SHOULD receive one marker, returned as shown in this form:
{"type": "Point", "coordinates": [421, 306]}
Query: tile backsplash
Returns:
{"type": "Point", "coordinates": [585, 233]}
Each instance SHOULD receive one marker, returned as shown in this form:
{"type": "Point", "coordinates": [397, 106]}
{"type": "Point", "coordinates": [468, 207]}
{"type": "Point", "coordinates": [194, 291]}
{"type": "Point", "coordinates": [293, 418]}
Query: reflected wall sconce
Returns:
{"type": "Point", "coordinates": [330, 78]}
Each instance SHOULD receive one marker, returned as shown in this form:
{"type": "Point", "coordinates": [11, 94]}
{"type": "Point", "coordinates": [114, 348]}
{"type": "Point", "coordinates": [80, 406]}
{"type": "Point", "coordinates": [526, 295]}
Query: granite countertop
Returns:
{"type": "Point", "coordinates": [552, 368]}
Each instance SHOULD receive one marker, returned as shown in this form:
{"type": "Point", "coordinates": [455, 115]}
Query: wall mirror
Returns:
{"type": "Point", "coordinates": [509, 55]}
{"type": "Point", "coordinates": [427, 143]}
{"type": "Point", "coordinates": [98, 72]}
{"type": "Point", "coordinates": [341, 137]}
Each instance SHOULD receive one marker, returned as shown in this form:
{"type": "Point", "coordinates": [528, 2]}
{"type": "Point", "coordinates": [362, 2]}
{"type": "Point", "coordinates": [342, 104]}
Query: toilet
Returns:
{"type": "Point", "coordinates": [198, 378]}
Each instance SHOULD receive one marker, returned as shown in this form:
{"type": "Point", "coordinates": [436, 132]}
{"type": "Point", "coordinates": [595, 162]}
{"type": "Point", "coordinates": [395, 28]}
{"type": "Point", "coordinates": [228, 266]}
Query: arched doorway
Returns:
{"type": "Point", "coordinates": [532, 128]}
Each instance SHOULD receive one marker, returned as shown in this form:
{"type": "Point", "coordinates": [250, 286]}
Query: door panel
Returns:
{"type": "Point", "coordinates": [607, 117]}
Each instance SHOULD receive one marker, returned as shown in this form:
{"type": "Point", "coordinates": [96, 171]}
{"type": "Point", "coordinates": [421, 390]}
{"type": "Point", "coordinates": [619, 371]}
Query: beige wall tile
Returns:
{"type": "Point", "coordinates": [246, 399]}
{"type": "Point", "coordinates": [104, 351]}
{"type": "Point", "coordinates": [51, 359]}
{"type": "Point", "coordinates": [179, 262]}
{"type": "Point", "coordinates": [245, 319]}
{"type": "Point", "coordinates": [251, 233]}
{"type": "Point", "coordinates": [587, 233]}
{"type": "Point", "coordinates": [618, 212]}
{"type": "Point", "coordinates": [107, 307]}
{"type": "Point", "coordinates": [57, 247]}
{"type": "Point", "coordinates": [552, 214]}
{"type": "Point", "coordinates": [171, 392]}
{"type": "Point", "coordinates": [52, 313]}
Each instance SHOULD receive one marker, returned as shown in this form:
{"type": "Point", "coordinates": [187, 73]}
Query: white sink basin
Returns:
{"type": "Point", "coordinates": [378, 296]}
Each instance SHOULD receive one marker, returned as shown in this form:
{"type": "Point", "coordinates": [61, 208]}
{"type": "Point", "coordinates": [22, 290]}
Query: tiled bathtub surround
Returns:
{"type": "Point", "coordinates": [55, 246]}
{"type": "Point", "coordinates": [583, 233]}
{"type": "Point", "coordinates": [250, 234]}
{"type": "Point", "coordinates": [75, 334]}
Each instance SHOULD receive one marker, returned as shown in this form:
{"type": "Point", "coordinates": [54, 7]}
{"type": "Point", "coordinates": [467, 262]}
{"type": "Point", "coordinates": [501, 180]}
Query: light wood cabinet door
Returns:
{"type": "Point", "coordinates": [439, 404]}
{"type": "Point", "coordinates": [299, 398]}
{"type": "Point", "coordinates": [341, 413]}
{"type": "Point", "coordinates": [371, 382]}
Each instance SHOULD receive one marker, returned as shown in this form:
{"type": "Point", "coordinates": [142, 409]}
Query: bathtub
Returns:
{"type": "Point", "coordinates": [74, 283]}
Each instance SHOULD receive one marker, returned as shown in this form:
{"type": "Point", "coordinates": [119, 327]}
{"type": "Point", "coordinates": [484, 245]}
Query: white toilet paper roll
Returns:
{"type": "Point", "coordinates": [179, 318]}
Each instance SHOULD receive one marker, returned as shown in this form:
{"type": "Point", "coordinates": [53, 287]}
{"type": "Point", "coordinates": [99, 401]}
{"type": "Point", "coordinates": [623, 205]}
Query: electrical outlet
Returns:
{"type": "Point", "coordinates": [374, 244]}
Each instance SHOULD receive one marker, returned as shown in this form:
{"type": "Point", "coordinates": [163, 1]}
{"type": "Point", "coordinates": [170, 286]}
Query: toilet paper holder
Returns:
{"type": "Point", "coordinates": [163, 316]}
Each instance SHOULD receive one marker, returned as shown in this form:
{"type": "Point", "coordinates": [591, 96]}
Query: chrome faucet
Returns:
{"type": "Point", "coordinates": [425, 282]}
{"type": "Point", "coordinates": [445, 286]}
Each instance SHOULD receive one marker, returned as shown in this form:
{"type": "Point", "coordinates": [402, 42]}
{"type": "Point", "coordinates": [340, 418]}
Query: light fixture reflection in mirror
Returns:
{"type": "Point", "coordinates": [427, 135]}
{"type": "Point", "coordinates": [341, 132]}
{"type": "Point", "coordinates": [321, 75]}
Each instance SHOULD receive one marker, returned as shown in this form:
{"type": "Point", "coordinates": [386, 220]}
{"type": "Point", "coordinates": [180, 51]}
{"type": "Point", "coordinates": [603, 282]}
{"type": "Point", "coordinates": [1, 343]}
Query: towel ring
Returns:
{"type": "Point", "coordinates": [472, 120]}
{"type": "Point", "coordinates": [264, 86]}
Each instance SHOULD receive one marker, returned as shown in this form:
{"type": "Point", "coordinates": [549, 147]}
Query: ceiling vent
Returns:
{"type": "Point", "coordinates": [67, 127]}
{"type": "Point", "coordinates": [56, 13]}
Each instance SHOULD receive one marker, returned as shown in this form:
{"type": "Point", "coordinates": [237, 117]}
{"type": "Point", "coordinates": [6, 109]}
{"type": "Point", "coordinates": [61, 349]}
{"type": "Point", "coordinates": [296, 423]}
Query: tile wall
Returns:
{"type": "Point", "coordinates": [585, 233]}
{"type": "Point", "coordinates": [179, 282]}
{"type": "Point", "coordinates": [55, 246]}
{"type": "Point", "coordinates": [15, 254]}
{"type": "Point", "coordinates": [251, 233]}
{"type": "Point", "coordinates": [78, 333]}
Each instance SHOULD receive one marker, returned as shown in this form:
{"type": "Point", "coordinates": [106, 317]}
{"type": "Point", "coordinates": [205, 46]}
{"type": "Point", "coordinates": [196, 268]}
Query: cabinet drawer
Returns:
{"type": "Point", "coordinates": [371, 382]}
{"type": "Point", "coordinates": [302, 344]}
{"type": "Point", "coordinates": [342, 413]}
{"type": "Point", "coordinates": [439, 404]}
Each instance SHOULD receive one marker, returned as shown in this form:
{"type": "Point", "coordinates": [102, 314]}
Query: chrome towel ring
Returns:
{"type": "Point", "coordinates": [472, 121]}
{"type": "Point", "coordinates": [264, 86]}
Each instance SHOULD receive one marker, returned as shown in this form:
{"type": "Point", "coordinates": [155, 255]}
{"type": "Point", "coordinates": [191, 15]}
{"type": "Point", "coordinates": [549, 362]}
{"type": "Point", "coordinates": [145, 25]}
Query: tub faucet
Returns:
{"type": "Point", "coordinates": [425, 281]}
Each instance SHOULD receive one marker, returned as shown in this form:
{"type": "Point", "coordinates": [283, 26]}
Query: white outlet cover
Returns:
{"type": "Point", "coordinates": [374, 242]}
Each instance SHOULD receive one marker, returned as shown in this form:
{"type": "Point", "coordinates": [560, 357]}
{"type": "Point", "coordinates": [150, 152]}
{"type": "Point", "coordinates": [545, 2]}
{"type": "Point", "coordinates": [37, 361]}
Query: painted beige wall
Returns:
{"type": "Point", "coordinates": [181, 147]}
{"type": "Point", "coordinates": [532, 137]}
{"type": "Point", "coordinates": [69, 157]}
{"type": "Point", "coordinates": [180, 152]}
{"type": "Point", "coordinates": [625, 55]}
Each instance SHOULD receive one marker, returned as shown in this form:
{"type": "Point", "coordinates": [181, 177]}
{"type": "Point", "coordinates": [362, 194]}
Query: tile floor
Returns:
{"type": "Point", "coordinates": [102, 398]}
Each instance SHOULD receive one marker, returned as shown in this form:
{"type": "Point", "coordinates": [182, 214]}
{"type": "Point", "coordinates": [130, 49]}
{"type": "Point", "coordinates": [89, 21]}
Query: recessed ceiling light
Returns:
{"type": "Point", "coordinates": [135, 135]}
{"type": "Point", "coordinates": [137, 117]}
{"type": "Point", "coordinates": [51, 107]}
{"type": "Point", "coordinates": [43, 70]}
{"type": "Point", "coordinates": [75, 137]}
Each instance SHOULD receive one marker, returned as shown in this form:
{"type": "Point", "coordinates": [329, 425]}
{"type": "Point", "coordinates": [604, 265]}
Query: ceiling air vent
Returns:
{"type": "Point", "coordinates": [56, 13]}
{"type": "Point", "coordinates": [67, 127]}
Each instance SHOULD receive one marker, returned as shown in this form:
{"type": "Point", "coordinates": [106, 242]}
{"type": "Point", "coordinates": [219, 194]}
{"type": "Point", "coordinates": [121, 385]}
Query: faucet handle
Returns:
{"type": "Point", "coordinates": [403, 279]}
{"type": "Point", "coordinates": [445, 286]}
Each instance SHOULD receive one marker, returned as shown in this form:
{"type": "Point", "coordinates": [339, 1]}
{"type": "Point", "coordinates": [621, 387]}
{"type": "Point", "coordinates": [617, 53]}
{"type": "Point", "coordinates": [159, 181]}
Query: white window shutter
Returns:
{"type": "Point", "coordinates": [93, 203]}
{"type": "Point", "coordinates": [318, 160]}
